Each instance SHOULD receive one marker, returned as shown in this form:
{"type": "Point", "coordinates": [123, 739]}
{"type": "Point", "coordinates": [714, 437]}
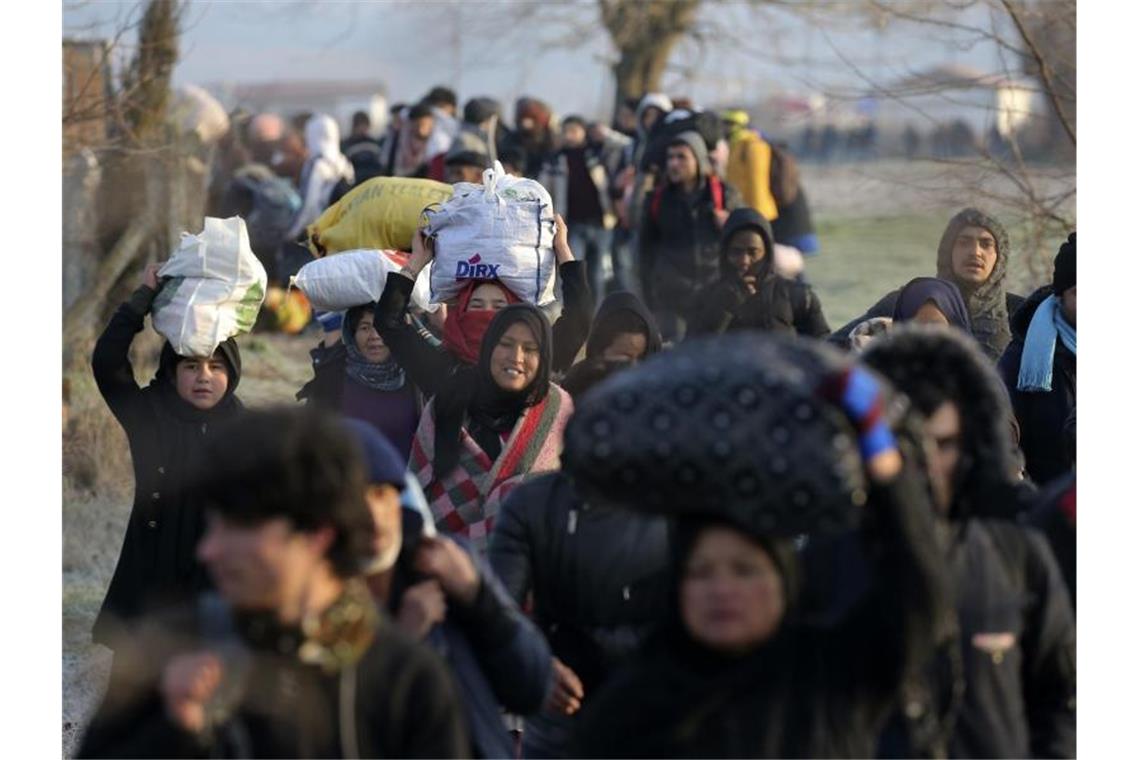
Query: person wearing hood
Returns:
{"type": "Point", "coordinates": [491, 426]}
{"type": "Point", "coordinates": [168, 424]}
{"type": "Point", "coordinates": [749, 166]}
{"type": "Point", "coordinates": [430, 367]}
{"type": "Point", "coordinates": [1017, 638]}
{"type": "Point", "coordinates": [359, 378]}
{"type": "Point", "coordinates": [624, 333]}
{"type": "Point", "coordinates": [931, 301]}
{"type": "Point", "coordinates": [290, 658]}
{"type": "Point", "coordinates": [749, 294]}
{"type": "Point", "coordinates": [680, 233]}
{"type": "Point", "coordinates": [326, 175]}
{"type": "Point", "coordinates": [438, 592]}
{"type": "Point", "coordinates": [973, 254]}
{"type": "Point", "coordinates": [1039, 368]}
{"type": "Point", "coordinates": [732, 670]}
{"type": "Point", "coordinates": [579, 187]}
{"type": "Point", "coordinates": [534, 133]}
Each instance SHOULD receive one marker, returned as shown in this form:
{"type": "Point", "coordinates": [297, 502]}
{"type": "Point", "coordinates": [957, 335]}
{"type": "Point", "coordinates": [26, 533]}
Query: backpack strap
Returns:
{"type": "Point", "coordinates": [716, 189]}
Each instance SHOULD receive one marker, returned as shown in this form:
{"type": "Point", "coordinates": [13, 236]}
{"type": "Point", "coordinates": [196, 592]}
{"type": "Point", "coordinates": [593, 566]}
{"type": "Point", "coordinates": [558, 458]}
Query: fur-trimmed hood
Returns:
{"type": "Point", "coordinates": [932, 365]}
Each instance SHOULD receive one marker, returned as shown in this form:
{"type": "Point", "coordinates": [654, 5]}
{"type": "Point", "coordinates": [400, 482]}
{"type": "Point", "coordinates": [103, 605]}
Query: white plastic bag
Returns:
{"type": "Point", "coordinates": [502, 229]}
{"type": "Point", "coordinates": [215, 288]}
{"type": "Point", "coordinates": [352, 278]}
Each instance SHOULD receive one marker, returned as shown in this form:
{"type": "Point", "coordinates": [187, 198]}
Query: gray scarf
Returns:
{"type": "Point", "coordinates": [989, 316]}
{"type": "Point", "coordinates": [385, 376]}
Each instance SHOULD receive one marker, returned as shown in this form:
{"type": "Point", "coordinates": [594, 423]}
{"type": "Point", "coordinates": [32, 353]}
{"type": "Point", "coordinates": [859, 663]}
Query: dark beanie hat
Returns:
{"type": "Point", "coordinates": [384, 463]}
{"type": "Point", "coordinates": [1065, 265]}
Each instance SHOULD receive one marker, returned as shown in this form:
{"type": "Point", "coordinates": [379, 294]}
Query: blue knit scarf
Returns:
{"type": "Point", "coordinates": [1048, 324]}
{"type": "Point", "coordinates": [385, 376]}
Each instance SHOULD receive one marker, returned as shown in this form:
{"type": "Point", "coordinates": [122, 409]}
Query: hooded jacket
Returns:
{"type": "Point", "coordinates": [603, 330]}
{"type": "Point", "coordinates": [680, 243]}
{"type": "Point", "coordinates": [166, 435]}
{"type": "Point", "coordinates": [779, 304]}
{"type": "Point", "coordinates": [1042, 415]}
{"type": "Point", "coordinates": [990, 306]}
{"type": "Point", "coordinates": [1017, 633]}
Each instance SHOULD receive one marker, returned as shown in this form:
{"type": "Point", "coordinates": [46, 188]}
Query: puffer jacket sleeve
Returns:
{"type": "Point", "coordinates": [807, 312]}
{"type": "Point", "coordinates": [1049, 668]}
{"type": "Point", "coordinates": [512, 653]}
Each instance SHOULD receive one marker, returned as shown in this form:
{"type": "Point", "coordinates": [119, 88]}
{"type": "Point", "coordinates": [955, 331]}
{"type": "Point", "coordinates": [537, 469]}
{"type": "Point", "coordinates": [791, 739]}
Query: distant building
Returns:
{"type": "Point", "coordinates": [953, 93]}
{"type": "Point", "coordinates": [339, 99]}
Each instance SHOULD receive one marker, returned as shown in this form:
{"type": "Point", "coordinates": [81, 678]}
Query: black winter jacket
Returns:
{"type": "Point", "coordinates": [428, 367]}
{"type": "Point", "coordinates": [157, 563]}
{"type": "Point", "coordinates": [597, 575]}
{"type": "Point", "coordinates": [810, 691]}
{"type": "Point", "coordinates": [1018, 642]}
{"type": "Point", "coordinates": [779, 305]}
{"type": "Point", "coordinates": [1042, 416]}
{"type": "Point", "coordinates": [396, 700]}
{"type": "Point", "coordinates": [680, 245]}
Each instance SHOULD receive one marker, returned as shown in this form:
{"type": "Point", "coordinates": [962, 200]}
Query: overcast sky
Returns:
{"type": "Point", "coordinates": [481, 49]}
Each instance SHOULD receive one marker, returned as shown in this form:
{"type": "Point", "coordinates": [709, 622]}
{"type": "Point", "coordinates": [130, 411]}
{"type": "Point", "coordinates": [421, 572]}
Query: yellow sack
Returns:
{"type": "Point", "coordinates": [382, 213]}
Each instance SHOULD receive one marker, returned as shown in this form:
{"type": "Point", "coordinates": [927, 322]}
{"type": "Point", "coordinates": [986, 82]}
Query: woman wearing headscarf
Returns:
{"type": "Point", "coordinates": [325, 173]}
{"type": "Point", "coordinates": [429, 366]}
{"type": "Point", "coordinates": [750, 295]}
{"type": "Point", "coordinates": [929, 300]}
{"type": "Point", "coordinates": [359, 377]}
{"type": "Point", "coordinates": [491, 425]}
{"type": "Point", "coordinates": [168, 424]}
{"type": "Point", "coordinates": [974, 255]}
{"type": "Point", "coordinates": [733, 670]}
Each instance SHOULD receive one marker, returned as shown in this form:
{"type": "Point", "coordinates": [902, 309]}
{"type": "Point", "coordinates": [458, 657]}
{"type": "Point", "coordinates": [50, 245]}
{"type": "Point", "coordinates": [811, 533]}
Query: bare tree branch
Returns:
{"type": "Point", "coordinates": [1044, 69]}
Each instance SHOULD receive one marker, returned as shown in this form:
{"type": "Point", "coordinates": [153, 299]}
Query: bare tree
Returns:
{"type": "Point", "coordinates": [140, 158]}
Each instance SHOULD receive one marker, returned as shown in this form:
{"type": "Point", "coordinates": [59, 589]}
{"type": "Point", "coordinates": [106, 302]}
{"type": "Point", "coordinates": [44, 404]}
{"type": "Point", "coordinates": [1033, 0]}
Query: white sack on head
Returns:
{"type": "Point", "coordinates": [502, 229]}
{"type": "Point", "coordinates": [214, 289]}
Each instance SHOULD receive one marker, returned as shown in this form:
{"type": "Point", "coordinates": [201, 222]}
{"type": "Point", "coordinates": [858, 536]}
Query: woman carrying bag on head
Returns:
{"type": "Point", "coordinates": [491, 425]}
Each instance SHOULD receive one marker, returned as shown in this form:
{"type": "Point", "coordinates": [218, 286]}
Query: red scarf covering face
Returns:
{"type": "Point", "coordinates": [463, 331]}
